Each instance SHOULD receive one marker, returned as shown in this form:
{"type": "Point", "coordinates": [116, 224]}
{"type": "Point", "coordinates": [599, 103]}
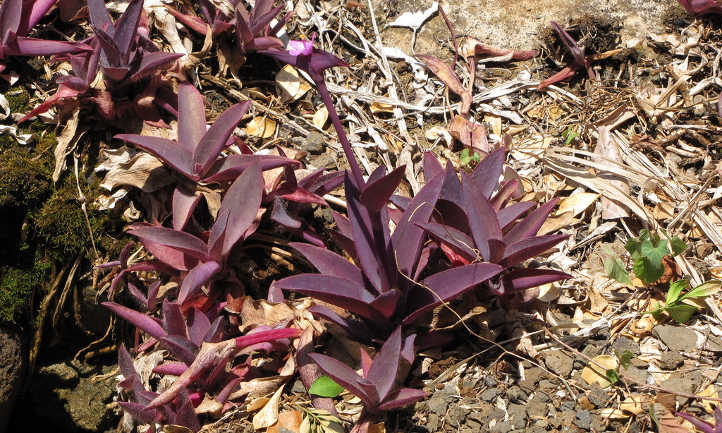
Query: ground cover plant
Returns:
{"type": "Point", "coordinates": [394, 246]}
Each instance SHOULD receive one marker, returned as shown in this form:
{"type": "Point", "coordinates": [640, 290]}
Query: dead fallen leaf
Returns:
{"type": "Point", "coordinates": [291, 85]}
{"type": "Point", "coordinates": [576, 203]}
{"type": "Point", "coordinates": [288, 421]}
{"type": "Point", "coordinates": [592, 373]}
{"type": "Point", "coordinates": [269, 414]}
{"type": "Point", "coordinates": [66, 142]}
{"type": "Point", "coordinates": [261, 126]}
{"type": "Point", "coordinates": [320, 117]}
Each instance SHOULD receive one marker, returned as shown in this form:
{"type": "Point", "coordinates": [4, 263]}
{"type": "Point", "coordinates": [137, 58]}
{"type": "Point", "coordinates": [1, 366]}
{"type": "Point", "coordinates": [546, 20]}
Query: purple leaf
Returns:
{"type": "Point", "coordinates": [218, 231]}
{"type": "Point", "coordinates": [174, 239]}
{"type": "Point", "coordinates": [520, 251]}
{"type": "Point", "coordinates": [520, 279]}
{"type": "Point", "coordinates": [10, 17]}
{"type": "Point", "coordinates": [329, 263]}
{"type": "Point", "coordinates": [385, 304]}
{"type": "Point", "coordinates": [127, 26]}
{"type": "Point", "coordinates": [191, 117]}
{"type": "Point", "coordinates": [137, 293]}
{"type": "Point", "coordinates": [453, 237]}
{"type": "Point", "coordinates": [131, 378]}
{"type": "Point", "coordinates": [171, 368]}
{"type": "Point", "coordinates": [337, 291]}
{"type": "Point", "coordinates": [233, 165]}
{"type": "Point", "coordinates": [215, 139]}
{"type": "Point", "coordinates": [408, 236]}
{"type": "Point", "coordinates": [512, 212]}
{"type": "Point", "coordinates": [146, 323]}
{"type": "Point", "coordinates": [507, 190]}
{"type": "Point", "coordinates": [166, 150]}
{"type": "Point", "coordinates": [403, 397]}
{"type": "Point", "coordinates": [531, 224]}
{"type": "Point", "coordinates": [703, 426]}
{"type": "Point", "coordinates": [364, 242]}
{"type": "Point", "coordinates": [199, 326]}
{"type": "Point", "coordinates": [22, 46]}
{"type": "Point", "coordinates": [483, 222]}
{"type": "Point", "coordinates": [99, 16]}
{"type": "Point", "coordinates": [180, 347]}
{"type": "Point", "coordinates": [376, 194]}
{"type": "Point", "coordinates": [173, 322]}
{"type": "Point", "coordinates": [446, 285]}
{"type": "Point", "coordinates": [242, 200]}
{"type": "Point", "coordinates": [347, 377]}
{"type": "Point", "coordinates": [197, 277]}
{"type": "Point", "coordinates": [265, 336]}
{"type": "Point", "coordinates": [432, 166]}
{"type": "Point", "coordinates": [183, 205]}
{"type": "Point", "coordinates": [486, 174]}
{"type": "Point", "coordinates": [186, 415]}
{"type": "Point", "coordinates": [151, 61]}
{"type": "Point", "coordinates": [139, 412]}
{"type": "Point", "coordinates": [386, 365]}
{"type": "Point", "coordinates": [280, 215]}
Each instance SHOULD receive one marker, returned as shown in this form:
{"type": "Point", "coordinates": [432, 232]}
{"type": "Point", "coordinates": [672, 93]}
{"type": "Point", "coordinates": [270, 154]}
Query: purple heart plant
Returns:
{"type": "Point", "coordinates": [17, 18]}
{"type": "Point", "coordinates": [252, 29]}
{"type": "Point", "coordinates": [131, 67]}
{"type": "Point", "coordinates": [477, 222]}
{"type": "Point", "coordinates": [580, 62]}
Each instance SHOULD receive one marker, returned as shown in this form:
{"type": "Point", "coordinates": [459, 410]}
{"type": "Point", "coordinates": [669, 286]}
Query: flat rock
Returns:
{"type": "Point", "coordinates": [11, 372]}
{"type": "Point", "coordinates": [678, 338]}
{"type": "Point", "coordinates": [516, 24]}
{"type": "Point", "coordinates": [559, 362]}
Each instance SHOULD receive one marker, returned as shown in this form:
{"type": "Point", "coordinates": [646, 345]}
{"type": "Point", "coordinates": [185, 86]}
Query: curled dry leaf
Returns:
{"type": "Point", "coordinates": [320, 117]}
{"type": "Point", "coordinates": [576, 203]}
{"type": "Point", "coordinates": [437, 132]}
{"type": "Point", "coordinates": [597, 372]}
{"type": "Point", "coordinates": [288, 421]}
{"type": "Point", "coordinates": [269, 414]}
{"type": "Point", "coordinates": [261, 127]}
{"type": "Point", "coordinates": [292, 86]}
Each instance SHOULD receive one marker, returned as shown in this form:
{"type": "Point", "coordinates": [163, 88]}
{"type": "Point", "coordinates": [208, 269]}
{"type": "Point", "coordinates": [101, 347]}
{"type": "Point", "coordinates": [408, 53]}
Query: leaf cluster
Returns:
{"type": "Point", "coordinates": [647, 251]}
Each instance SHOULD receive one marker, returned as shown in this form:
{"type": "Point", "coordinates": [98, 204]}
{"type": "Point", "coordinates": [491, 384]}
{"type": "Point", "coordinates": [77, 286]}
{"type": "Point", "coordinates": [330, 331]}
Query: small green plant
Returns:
{"type": "Point", "coordinates": [468, 159]}
{"type": "Point", "coordinates": [674, 303]}
{"type": "Point", "coordinates": [319, 421]}
{"type": "Point", "coordinates": [569, 135]}
{"type": "Point", "coordinates": [648, 252]}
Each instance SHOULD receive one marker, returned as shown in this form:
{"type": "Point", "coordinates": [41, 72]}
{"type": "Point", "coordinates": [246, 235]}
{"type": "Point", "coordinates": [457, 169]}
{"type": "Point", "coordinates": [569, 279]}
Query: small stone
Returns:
{"type": "Point", "coordinates": [490, 381]}
{"type": "Point", "coordinates": [433, 422]}
{"type": "Point", "coordinates": [584, 403]}
{"type": "Point", "coordinates": [501, 427]}
{"type": "Point", "coordinates": [559, 362]}
{"type": "Point", "coordinates": [536, 409]}
{"type": "Point", "coordinates": [489, 394]}
{"type": "Point", "coordinates": [473, 424]}
{"type": "Point", "coordinates": [456, 415]}
{"type": "Point", "coordinates": [682, 381]}
{"type": "Point", "coordinates": [517, 413]}
{"type": "Point", "coordinates": [676, 338]}
{"type": "Point", "coordinates": [623, 344]}
{"type": "Point", "coordinates": [583, 419]}
{"type": "Point", "coordinates": [597, 396]}
{"type": "Point", "coordinates": [599, 423]}
{"type": "Point", "coordinates": [314, 143]}
{"type": "Point", "coordinates": [671, 360]}
{"type": "Point", "coordinates": [324, 160]}
{"type": "Point", "coordinates": [438, 404]}
{"type": "Point", "coordinates": [515, 394]}
{"type": "Point", "coordinates": [11, 372]}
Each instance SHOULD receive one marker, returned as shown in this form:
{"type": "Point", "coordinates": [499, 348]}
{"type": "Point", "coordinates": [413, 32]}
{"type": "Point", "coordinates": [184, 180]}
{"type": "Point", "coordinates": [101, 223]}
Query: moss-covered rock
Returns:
{"type": "Point", "coordinates": [16, 287]}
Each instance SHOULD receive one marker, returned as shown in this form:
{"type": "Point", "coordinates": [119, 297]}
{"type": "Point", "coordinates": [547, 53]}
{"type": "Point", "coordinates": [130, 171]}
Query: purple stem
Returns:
{"type": "Point", "coordinates": [309, 371]}
{"type": "Point", "coordinates": [348, 151]}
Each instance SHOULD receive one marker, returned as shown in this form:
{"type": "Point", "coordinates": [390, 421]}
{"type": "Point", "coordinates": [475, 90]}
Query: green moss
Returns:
{"type": "Point", "coordinates": [24, 181]}
{"type": "Point", "coordinates": [16, 287]}
{"type": "Point", "coordinates": [19, 100]}
{"type": "Point", "coordinates": [61, 226]}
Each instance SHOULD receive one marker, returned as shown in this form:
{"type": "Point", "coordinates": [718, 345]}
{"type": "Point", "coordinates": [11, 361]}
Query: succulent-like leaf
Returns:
{"type": "Point", "coordinates": [197, 277]}
{"type": "Point", "coordinates": [184, 203]}
{"type": "Point", "coordinates": [520, 279]}
{"type": "Point", "coordinates": [166, 150]}
{"type": "Point", "coordinates": [174, 239]}
{"type": "Point", "coordinates": [142, 321]}
{"type": "Point", "coordinates": [520, 251]}
{"type": "Point", "coordinates": [329, 263]}
{"type": "Point", "coordinates": [347, 377]}
{"type": "Point", "coordinates": [446, 285]}
{"type": "Point", "coordinates": [191, 117]}
{"type": "Point", "coordinates": [385, 365]}
{"type": "Point", "coordinates": [216, 137]}
{"type": "Point", "coordinates": [531, 224]}
{"type": "Point", "coordinates": [401, 398]}
{"type": "Point", "coordinates": [242, 201]}
{"type": "Point", "coordinates": [483, 222]}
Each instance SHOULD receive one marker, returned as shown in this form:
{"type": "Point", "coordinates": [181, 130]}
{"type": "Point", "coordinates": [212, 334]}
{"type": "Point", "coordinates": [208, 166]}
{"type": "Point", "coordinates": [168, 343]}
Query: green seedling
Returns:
{"type": "Point", "coordinates": [647, 252]}
{"type": "Point", "coordinates": [467, 157]}
{"type": "Point", "coordinates": [569, 135]}
{"type": "Point", "coordinates": [674, 303]}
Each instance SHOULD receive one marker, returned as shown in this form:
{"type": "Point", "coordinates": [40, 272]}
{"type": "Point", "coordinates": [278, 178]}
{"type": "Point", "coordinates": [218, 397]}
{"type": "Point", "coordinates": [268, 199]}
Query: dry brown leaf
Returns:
{"type": "Point", "coordinates": [469, 133]}
{"type": "Point", "coordinates": [710, 391]}
{"type": "Point", "coordinates": [142, 171]}
{"type": "Point", "coordinates": [291, 85]}
{"type": "Point", "coordinates": [381, 107]}
{"type": "Point", "coordinates": [592, 373]}
{"type": "Point", "coordinates": [261, 126]}
{"type": "Point", "coordinates": [614, 414]}
{"type": "Point", "coordinates": [269, 414]}
{"type": "Point", "coordinates": [576, 203]}
{"type": "Point", "coordinates": [256, 404]}
{"type": "Point", "coordinates": [320, 117]}
{"type": "Point", "coordinates": [259, 312]}
{"type": "Point", "coordinates": [66, 143]}
{"type": "Point", "coordinates": [608, 150]}
{"type": "Point", "coordinates": [633, 404]}
{"type": "Point", "coordinates": [288, 421]}
{"type": "Point", "coordinates": [436, 132]}
{"type": "Point", "coordinates": [257, 388]}
{"type": "Point", "coordinates": [210, 405]}
{"type": "Point", "coordinates": [552, 224]}
{"type": "Point", "coordinates": [495, 123]}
